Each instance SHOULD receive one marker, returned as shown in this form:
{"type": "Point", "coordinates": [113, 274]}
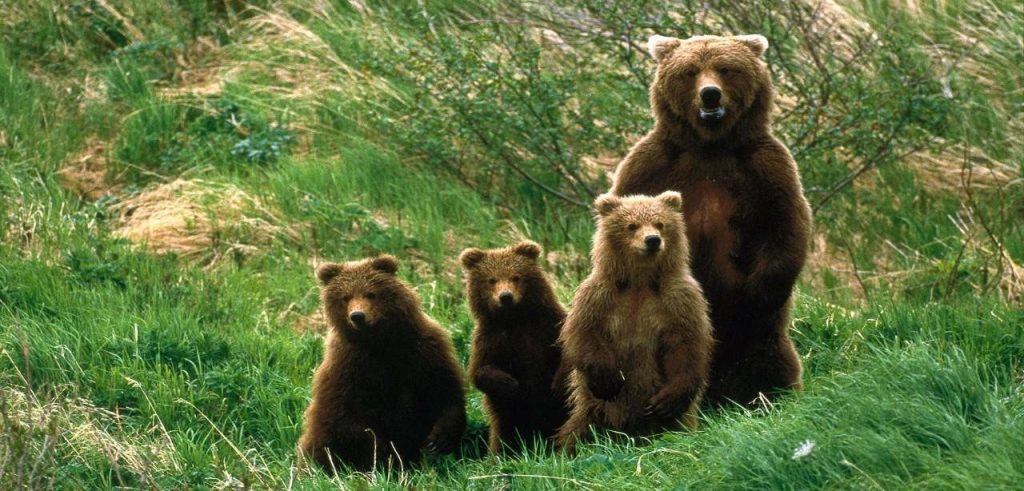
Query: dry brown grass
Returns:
{"type": "Point", "coordinates": [200, 70]}
{"type": "Point", "coordinates": [824, 258]}
{"type": "Point", "coordinates": [298, 62]}
{"type": "Point", "coordinates": [85, 174]}
{"type": "Point", "coordinates": [952, 167]}
{"type": "Point", "coordinates": [200, 220]}
{"type": "Point", "coordinates": [78, 431]}
{"type": "Point", "coordinates": [833, 24]}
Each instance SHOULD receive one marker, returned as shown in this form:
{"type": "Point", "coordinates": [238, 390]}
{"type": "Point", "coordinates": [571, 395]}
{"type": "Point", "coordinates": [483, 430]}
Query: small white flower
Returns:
{"type": "Point", "coordinates": [803, 450]}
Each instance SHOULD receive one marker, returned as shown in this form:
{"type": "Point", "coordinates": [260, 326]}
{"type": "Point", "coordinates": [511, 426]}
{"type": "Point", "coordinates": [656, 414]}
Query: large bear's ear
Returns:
{"type": "Point", "coordinates": [756, 42]}
{"type": "Point", "coordinates": [386, 263]}
{"type": "Point", "coordinates": [606, 204]}
{"type": "Point", "coordinates": [327, 271]}
{"type": "Point", "coordinates": [471, 257]}
{"type": "Point", "coordinates": [660, 46]}
{"type": "Point", "coordinates": [527, 248]}
{"type": "Point", "coordinates": [673, 199]}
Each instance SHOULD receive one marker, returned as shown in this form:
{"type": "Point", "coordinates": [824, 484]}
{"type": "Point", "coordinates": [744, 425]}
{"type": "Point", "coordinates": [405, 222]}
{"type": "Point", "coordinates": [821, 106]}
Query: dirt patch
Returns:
{"type": "Point", "coordinates": [200, 220]}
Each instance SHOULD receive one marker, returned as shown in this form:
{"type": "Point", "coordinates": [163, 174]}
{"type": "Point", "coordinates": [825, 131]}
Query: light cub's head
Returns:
{"type": "Point", "coordinates": [364, 296]}
{"type": "Point", "coordinates": [641, 227]}
{"type": "Point", "coordinates": [503, 279]}
{"type": "Point", "coordinates": [711, 82]}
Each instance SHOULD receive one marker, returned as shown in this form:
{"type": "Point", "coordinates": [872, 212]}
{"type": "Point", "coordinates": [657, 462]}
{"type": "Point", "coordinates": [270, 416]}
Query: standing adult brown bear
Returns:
{"type": "Point", "coordinates": [746, 217]}
{"type": "Point", "coordinates": [389, 385]}
{"type": "Point", "coordinates": [638, 337]}
{"type": "Point", "coordinates": [516, 357]}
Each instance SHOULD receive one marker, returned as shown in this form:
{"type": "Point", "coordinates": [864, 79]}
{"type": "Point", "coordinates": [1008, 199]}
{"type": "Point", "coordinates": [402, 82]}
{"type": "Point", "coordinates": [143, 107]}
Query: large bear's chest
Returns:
{"type": "Point", "coordinates": [711, 186]}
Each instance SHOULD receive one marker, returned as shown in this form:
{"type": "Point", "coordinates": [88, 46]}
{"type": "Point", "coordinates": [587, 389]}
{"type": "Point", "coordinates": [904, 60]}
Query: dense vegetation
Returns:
{"type": "Point", "coordinates": [170, 172]}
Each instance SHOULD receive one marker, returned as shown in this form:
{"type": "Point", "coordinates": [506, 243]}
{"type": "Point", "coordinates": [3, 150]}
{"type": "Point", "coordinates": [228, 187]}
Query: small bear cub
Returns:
{"type": "Point", "coordinates": [389, 385]}
{"type": "Point", "coordinates": [515, 357]}
{"type": "Point", "coordinates": [637, 337]}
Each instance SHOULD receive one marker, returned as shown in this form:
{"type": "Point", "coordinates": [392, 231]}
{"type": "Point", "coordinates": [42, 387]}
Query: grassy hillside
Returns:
{"type": "Point", "coordinates": [171, 172]}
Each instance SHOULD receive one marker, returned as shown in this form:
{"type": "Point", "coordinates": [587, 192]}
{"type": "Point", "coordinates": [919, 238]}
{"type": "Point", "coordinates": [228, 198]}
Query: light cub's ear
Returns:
{"type": "Point", "coordinates": [386, 263]}
{"type": "Point", "coordinates": [660, 46]}
{"type": "Point", "coordinates": [327, 271]}
{"type": "Point", "coordinates": [606, 204]}
{"type": "Point", "coordinates": [527, 248]}
{"type": "Point", "coordinates": [471, 257]}
{"type": "Point", "coordinates": [673, 199]}
{"type": "Point", "coordinates": [756, 42]}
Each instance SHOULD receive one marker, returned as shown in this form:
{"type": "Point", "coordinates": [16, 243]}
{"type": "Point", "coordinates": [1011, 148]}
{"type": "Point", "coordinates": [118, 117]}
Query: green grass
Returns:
{"type": "Point", "coordinates": [355, 133]}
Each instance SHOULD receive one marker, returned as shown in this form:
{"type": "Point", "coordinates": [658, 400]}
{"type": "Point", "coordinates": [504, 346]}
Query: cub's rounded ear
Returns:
{"type": "Point", "coordinates": [527, 248]}
{"type": "Point", "coordinates": [386, 263]}
{"type": "Point", "coordinates": [606, 204]}
{"type": "Point", "coordinates": [661, 46]}
{"type": "Point", "coordinates": [673, 199]}
{"type": "Point", "coordinates": [756, 42]}
{"type": "Point", "coordinates": [327, 271]}
{"type": "Point", "coordinates": [471, 257]}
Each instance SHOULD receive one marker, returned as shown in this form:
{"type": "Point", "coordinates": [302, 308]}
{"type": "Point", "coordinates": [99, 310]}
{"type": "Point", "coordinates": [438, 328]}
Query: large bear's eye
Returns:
{"type": "Point", "coordinates": [724, 71]}
{"type": "Point", "coordinates": [691, 73]}
{"type": "Point", "coordinates": [633, 227]}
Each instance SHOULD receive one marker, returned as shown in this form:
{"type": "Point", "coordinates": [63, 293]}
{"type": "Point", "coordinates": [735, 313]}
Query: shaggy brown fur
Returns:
{"type": "Point", "coordinates": [746, 217]}
{"type": "Point", "coordinates": [516, 356]}
{"type": "Point", "coordinates": [637, 336]}
{"type": "Point", "coordinates": [389, 385]}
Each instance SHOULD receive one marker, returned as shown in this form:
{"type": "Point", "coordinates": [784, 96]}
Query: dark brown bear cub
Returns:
{"type": "Point", "coordinates": [637, 337]}
{"type": "Point", "coordinates": [746, 217]}
{"type": "Point", "coordinates": [389, 385]}
{"type": "Point", "coordinates": [515, 357]}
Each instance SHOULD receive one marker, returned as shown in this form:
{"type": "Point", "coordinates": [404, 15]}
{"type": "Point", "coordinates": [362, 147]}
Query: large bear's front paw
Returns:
{"type": "Point", "coordinates": [440, 442]}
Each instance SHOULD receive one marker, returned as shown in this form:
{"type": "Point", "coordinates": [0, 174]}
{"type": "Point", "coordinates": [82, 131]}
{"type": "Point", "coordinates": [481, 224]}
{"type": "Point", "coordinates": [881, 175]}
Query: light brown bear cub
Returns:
{"type": "Point", "coordinates": [515, 358]}
{"type": "Point", "coordinates": [389, 385]}
{"type": "Point", "coordinates": [747, 221]}
{"type": "Point", "coordinates": [637, 336]}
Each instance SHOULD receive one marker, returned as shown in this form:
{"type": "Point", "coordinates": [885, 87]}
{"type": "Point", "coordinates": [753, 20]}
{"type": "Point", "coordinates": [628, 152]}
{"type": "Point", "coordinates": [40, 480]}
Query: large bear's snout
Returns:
{"type": "Point", "coordinates": [358, 317]}
{"type": "Point", "coordinates": [711, 96]}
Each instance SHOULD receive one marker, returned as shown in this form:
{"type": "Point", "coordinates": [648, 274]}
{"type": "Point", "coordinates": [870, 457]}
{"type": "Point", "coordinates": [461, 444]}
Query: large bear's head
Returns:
{"type": "Point", "coordinates": [502, 280]}
{"type": "Point", "coordinates": [711, 83]}
{"type": "Point", "coordinates": [640, 230]}
{"type": "Point", "coordinates": [365, 297]}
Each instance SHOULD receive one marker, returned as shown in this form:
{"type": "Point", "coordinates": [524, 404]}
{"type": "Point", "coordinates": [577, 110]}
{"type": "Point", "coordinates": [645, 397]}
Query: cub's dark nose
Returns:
{"type": "Point", "coordinates": [711, 96]}
{"type": "Point", "coordinates": [358, 317]}
{"type": "Point", "coordinates": [653, 242]}
{"type": "Point", "coordinates": [505, 297]}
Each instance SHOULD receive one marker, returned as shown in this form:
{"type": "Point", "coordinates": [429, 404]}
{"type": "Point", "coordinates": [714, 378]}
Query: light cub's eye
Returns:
{"type": "Point", "coordinates": [724, 71]}
{"type": "Point", "coordinates": [633, 227]}
{"type": "Point", "coordinates": [370, 295]}
{"type": "Point", "coordinates": [659, 225]}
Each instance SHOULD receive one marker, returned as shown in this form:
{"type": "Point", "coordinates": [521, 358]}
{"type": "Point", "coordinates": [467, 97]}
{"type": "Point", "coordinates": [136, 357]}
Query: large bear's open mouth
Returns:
{"type": "Point", "coordinates": [712, 115]}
